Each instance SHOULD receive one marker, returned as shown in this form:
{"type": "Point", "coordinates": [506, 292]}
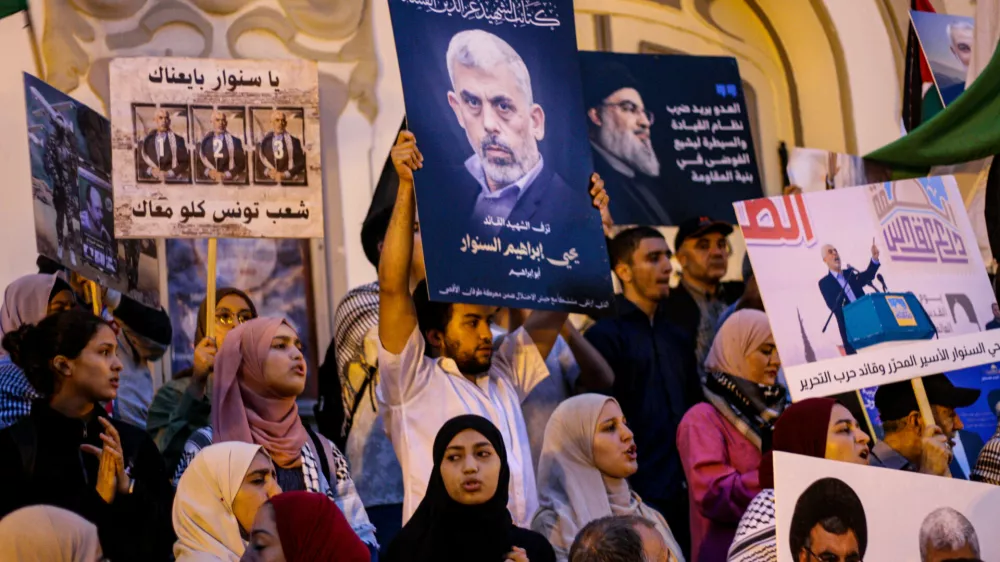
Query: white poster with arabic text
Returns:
{"type": "Point", "coordinates": [216, 148]}
{"type": "Point", "coordinates": [908, 244]}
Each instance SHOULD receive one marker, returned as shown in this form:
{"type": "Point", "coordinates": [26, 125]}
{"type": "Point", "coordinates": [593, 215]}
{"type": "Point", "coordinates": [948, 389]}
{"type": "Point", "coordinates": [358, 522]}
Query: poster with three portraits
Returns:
{"type": "Point", "coordinates": [216, 148]}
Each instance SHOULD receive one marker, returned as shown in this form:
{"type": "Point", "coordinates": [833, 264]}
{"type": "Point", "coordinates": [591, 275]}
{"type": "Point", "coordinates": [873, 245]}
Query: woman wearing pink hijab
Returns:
{"type": "Point", "coordinates": [28, 300]}
{"type": "Point", "coordinates": [720, 441]}
{"type": "Point", "coordinates": [259, 373]}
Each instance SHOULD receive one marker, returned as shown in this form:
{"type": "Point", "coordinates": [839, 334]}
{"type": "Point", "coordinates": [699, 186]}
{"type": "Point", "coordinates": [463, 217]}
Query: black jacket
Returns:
{"type": "Point", "coordinates": [41, 463]}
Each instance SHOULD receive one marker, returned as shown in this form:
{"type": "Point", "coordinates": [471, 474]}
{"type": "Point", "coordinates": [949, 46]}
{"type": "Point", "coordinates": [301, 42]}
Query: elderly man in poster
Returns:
{"type": "Point", "coordinates": [221, 152]}
{"type": "Point", "coordinates": [842, 286]}
{"type": "Point", "coordinates": [164, 152]}
{"type": "Point", "coordinates": [947, 535]}
{"type": "Point", "coordinates": [620, 128]}
{"type": "Point", "coordinates": [493, 102]}
{"type": "Point", "coordinates": [281, 153]}
{"type": "Point", "coordinates": [960, 37]}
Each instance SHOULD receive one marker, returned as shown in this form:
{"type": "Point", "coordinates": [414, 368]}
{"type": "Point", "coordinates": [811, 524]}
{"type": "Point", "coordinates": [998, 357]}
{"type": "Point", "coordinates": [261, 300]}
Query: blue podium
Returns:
{"type": "Point", "coordinates": [883, 317]}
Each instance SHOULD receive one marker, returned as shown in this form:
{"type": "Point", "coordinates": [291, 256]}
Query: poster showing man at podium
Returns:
{"type": "Point", "coordinates": [870, 285]}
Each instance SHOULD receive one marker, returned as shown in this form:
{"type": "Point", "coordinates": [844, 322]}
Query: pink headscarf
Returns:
{"type": "Point", "coordinates": [243, 407]}
{"type": "Point", "coordinates": [25, 301]}
{"type": "Point", "coordinates": [741, 333]}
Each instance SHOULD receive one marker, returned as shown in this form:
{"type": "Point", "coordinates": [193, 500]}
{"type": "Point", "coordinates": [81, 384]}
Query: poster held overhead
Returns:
{"type": "Point", "coordinates": [947, 43]}
{"type": "Point", "coordinates": [669, 150]}
{"type": "Point", "coordinates": [922, 278]}
{"type": "Point", "coordinates": [216, 148]}
{"type": "Point", "coordinates": [70, 150]}
{"type": "Point", "coordinates": [493, 99]}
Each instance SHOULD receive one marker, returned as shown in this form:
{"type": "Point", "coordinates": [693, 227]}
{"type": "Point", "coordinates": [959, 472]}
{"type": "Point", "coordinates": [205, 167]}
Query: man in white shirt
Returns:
{"type": "Point", "coordinates": [841, 287]}
{"type": "Point", "coordinates": [436, 360]}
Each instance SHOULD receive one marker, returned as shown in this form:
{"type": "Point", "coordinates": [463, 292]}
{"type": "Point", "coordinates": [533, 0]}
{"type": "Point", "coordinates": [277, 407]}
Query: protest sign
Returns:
{"type": "Point", "coordinates": [274, 273]}
{"type": "Point", "coordinates": [947, 42]}
{"type": "Point", "coordinates": [916, 275]}
{"type": "Point", "coordinates": [492, 94]}
{"type": "Point", "coordinates": [70, 149]}
{"type": "Point", "coordinates": [813, 169]}
{"type": "Point", "coordinates": [669, 149]}
{"type": "Point", "coordinates": [216, 148]}
{"type": "Point", "coordinates": [882, 514]}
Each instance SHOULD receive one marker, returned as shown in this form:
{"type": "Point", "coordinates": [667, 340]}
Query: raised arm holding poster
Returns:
{"type": "Point", "coordinates": [70, 149]}
{"type": "Point", "coordinates": [216, 148]}
{"type": "Point", "coordinates": [667, 149]}
{"type": "Point", "coordinates": [858, 281]}
{"type": "Point", "coordinates": [492, 95]}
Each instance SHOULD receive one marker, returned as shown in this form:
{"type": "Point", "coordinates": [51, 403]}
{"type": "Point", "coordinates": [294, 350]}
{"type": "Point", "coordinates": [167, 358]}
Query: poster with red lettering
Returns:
{"type": "Point", "coordinates": [870, 285]}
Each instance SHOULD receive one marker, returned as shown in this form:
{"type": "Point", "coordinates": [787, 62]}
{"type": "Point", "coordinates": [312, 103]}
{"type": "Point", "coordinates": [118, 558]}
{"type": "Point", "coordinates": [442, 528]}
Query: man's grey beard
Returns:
{"type": "Point", "coordinates": [506, 171]}
{"type": "Point", "coordinates": [629, 148]}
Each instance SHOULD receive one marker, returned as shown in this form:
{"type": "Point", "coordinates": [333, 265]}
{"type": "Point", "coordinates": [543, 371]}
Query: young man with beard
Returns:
{"type": "Point", "coordinates": [620, 127]}
{"type": "Point", "coordinates": [656, 380]}
{"type": "Point", "coordinates": [436, 360]}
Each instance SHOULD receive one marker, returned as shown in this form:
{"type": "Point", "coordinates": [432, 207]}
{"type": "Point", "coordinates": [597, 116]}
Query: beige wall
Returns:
{"type": "Point", "coordinates": [825, 74]}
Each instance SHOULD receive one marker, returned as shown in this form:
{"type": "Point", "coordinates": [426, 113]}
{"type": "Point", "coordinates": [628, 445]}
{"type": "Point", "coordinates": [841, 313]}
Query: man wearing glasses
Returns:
{"type": "Point", "coordinates": [828, 524]}
{"type": "Point", "coordinates": [623, 153]}
{"type": "Point", "coordinates": [697, 303]}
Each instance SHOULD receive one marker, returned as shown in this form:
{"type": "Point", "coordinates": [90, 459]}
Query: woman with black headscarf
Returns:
{"type": "Point", "coordinates": [463, 516]}
{"type": "Point", "coordinates": [182, 406]}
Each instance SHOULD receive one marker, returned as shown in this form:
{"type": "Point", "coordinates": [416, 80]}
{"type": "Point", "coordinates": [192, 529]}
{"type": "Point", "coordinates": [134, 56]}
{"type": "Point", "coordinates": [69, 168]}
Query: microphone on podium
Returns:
{"type": "Point", "coordinates": [882, 281]}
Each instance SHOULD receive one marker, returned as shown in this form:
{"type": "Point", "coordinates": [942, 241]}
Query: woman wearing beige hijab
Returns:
{"type": "Point", "coordinates": [217, 499]}
{"type": "Point", "coordinates": [588, 448]}
{"type": "Point", "coordinates": [44, 533]}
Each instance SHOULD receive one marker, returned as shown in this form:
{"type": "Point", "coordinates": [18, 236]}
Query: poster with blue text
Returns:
{"type": "Point", "coordinates": [669, 149]}
{"type": "Point", "coordinates": [492, 92]}
{"type": "Point", "coordinates": [872, 284]}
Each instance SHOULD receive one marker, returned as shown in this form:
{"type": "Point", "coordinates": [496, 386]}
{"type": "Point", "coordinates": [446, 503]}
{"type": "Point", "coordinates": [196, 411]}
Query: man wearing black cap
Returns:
{"type": "Point", "coordinates": [623, 153]}
{"type": "Point", "coordinates": [909, 444]}
{"type": "Point", "coordinates": [828, 523]}
{"type": "Point", "coordinates": [698, 302]}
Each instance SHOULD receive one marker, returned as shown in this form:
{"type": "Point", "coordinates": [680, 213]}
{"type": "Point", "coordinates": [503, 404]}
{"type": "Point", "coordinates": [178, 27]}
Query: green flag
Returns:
{"type": "Point", "coordinates": [964, 131]}
{"type": "Point", "coordinates": [8, 7]}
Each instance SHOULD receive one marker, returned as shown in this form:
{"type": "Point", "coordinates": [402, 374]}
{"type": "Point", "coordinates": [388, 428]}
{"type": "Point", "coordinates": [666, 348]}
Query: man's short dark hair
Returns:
{"type": "Point", "coordinates": [834, 506]}
{"type": "Point", "coordinates": [610, 539]}
{"type": "Point", "coordinates": [431, 315]}
{"type": "Point", "coordinates": [622, 246]}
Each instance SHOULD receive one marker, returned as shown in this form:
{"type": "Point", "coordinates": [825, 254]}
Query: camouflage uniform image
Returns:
{"type": "Point", "coordinates": [61, 161]}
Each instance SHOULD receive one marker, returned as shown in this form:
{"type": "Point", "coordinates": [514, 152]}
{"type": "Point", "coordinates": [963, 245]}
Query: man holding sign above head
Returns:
{"type": "Point", "coordinates": [436, 360]}
{"type": "Point", "coordinates": [164, 152]}
{"type": "Point", "coordinates": [492, 99]}
{"type": "Point", "coordinates": [221, 152]}
{"type": "Point", "coordinates": [909, 443]}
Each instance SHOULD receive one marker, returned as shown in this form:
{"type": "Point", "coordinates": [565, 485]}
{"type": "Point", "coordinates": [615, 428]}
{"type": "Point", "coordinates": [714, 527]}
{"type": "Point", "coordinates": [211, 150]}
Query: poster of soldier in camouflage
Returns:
{"type": "Point", "coordinates": [70, 148]}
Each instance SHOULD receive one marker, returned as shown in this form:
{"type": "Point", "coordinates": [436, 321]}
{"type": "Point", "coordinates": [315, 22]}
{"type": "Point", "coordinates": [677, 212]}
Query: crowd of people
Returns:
{"type": "Point", "coordinates": [470, 433]}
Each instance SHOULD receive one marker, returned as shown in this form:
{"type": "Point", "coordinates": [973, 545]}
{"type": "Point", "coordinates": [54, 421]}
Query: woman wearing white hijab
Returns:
{"type": "Point", "coordinates": [589, 448]}
{"type": "Point", "coordinates": [217, 499]}
{"type": "Point", "coordinates": [45, 533]}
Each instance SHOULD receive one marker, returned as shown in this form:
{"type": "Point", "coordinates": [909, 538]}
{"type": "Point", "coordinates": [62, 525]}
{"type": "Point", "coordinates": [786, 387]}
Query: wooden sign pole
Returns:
{"type": "Point", "coordinates": [210, 289]}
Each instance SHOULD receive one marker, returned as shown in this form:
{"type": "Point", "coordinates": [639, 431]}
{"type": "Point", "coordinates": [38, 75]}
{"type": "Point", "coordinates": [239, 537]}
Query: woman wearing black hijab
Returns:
{"type": "Point", "coordinates": [464, 515]}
